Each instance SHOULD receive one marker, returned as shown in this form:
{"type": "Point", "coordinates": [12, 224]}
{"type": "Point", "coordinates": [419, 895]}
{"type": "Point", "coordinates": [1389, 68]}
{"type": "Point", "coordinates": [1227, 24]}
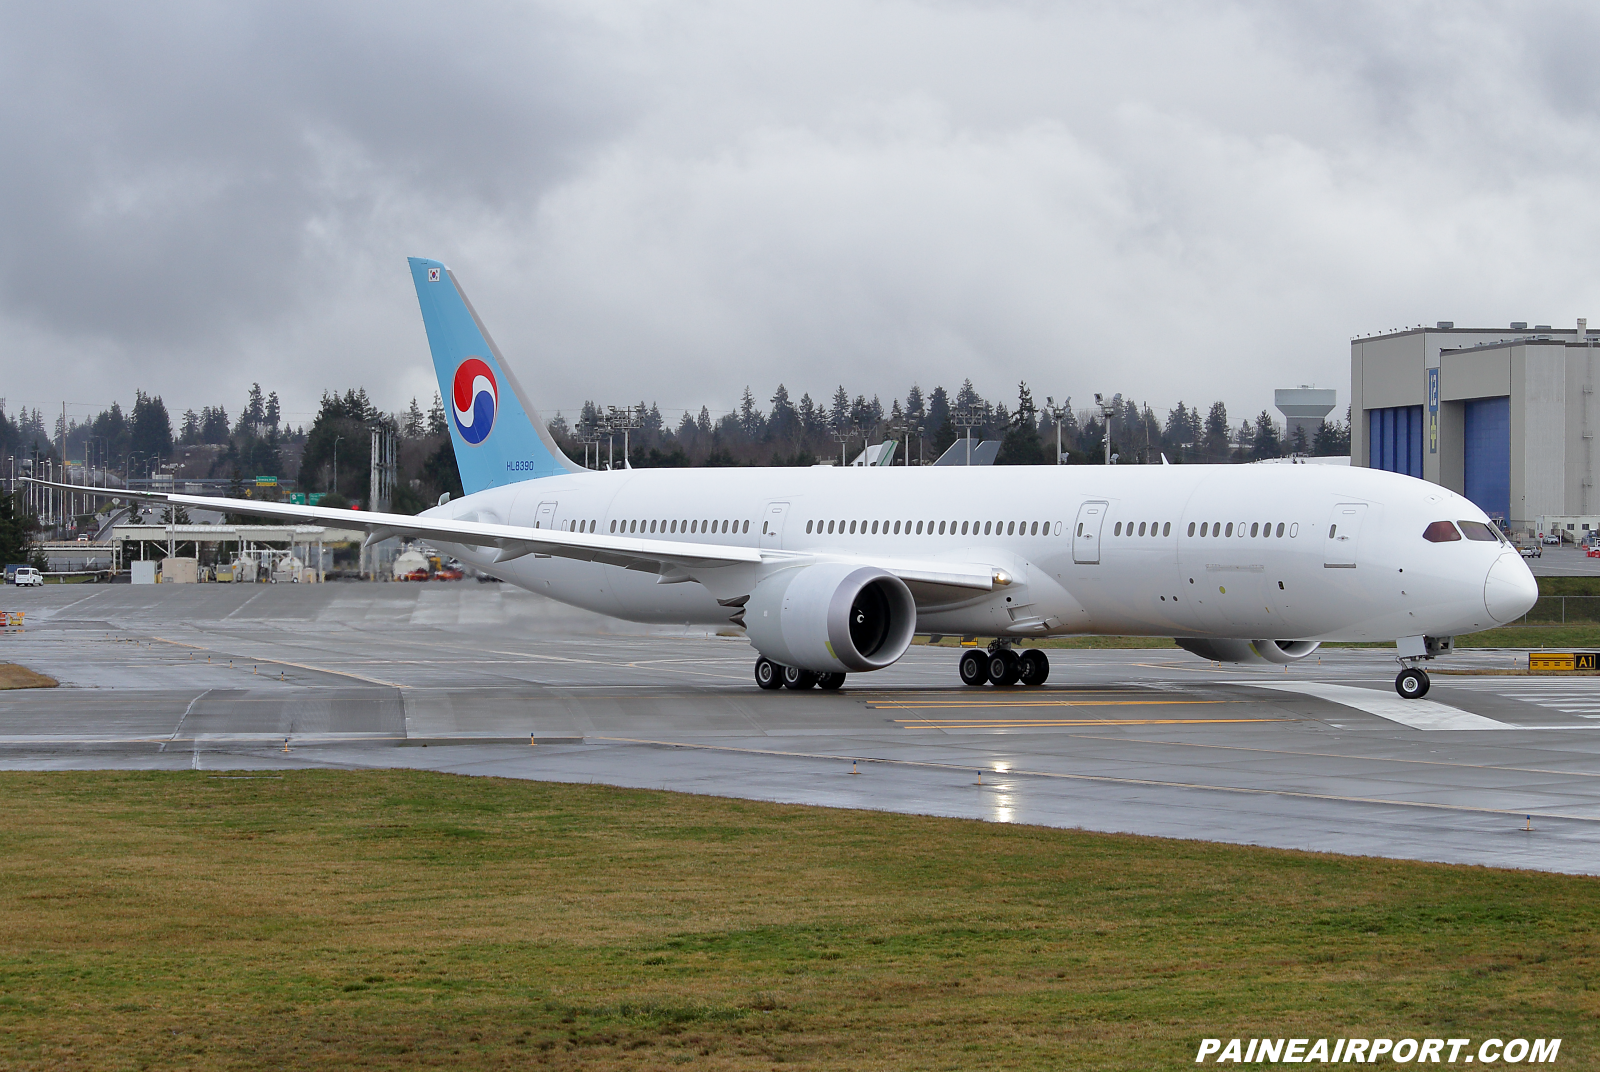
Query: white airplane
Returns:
{"type": "Point", "coordinates": [831, 570]}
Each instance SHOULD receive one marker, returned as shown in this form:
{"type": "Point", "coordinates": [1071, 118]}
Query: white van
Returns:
{"type": "Point", "coordinates": [28, 576]}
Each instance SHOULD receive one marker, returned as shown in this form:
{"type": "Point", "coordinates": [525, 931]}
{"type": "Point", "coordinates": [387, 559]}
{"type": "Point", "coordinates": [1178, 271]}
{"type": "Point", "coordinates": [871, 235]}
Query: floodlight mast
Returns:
{"type": "Point", "coordinates": [968, 418]}
{"type": "Point", "coordinates": [1057, 413]}
{"type": "Point", "coordinates": [1106, 411]}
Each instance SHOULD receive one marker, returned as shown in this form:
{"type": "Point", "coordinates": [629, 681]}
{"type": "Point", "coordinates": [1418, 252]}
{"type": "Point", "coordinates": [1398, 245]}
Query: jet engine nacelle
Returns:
{"type": "Point", "coordinates": [1248, 651]}
{"type": "Point", "coordinates": [831, 618]}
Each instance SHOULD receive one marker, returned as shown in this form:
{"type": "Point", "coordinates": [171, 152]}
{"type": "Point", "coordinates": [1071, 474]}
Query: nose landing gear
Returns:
{"type": "Point", "coordinates": [1412, 683]}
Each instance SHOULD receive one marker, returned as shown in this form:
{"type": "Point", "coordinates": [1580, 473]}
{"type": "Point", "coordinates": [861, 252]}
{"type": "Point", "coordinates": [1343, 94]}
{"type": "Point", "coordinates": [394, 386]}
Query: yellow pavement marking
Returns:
{"type": "Point", "coordinates": [914, 705]}
{"type": "Point", "coordinates": [992, 724]}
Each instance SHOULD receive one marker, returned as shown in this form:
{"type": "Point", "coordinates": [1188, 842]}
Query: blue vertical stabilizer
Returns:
{"type": "Point", "coordinates": [498, 436]}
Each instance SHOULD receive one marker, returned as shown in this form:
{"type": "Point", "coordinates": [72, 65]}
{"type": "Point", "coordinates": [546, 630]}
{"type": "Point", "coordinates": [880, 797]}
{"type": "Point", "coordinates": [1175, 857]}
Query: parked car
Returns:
{"type": "Point", "coordinates": [28, 577]}
{"type": "Point", "coordinates": [1556, 540]}
{"type": "Point", "coordinates": [1531, 552]}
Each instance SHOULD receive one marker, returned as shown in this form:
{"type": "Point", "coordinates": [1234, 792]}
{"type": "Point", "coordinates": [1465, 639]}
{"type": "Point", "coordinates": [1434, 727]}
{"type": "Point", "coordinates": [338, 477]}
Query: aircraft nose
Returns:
{"type": "Point", "coordinates": [1509, 591]}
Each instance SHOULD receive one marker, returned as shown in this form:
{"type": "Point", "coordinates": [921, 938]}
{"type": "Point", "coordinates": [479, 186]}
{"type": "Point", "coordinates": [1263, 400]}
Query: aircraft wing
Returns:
{"type": "Point", "coordinates": [672, 559]}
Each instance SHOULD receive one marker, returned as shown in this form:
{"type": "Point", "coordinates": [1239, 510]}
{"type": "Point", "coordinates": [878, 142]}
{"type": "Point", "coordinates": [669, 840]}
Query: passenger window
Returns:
{"type": "Point", "coordinates": [830, 528]}
{"type": "Point", "coordinates": [988, 525]}
{"type": "Point", "coordinates": [747, 526]}
{"type": "Point", "coordinates": [941, 528]}
{"type": "Point", "coordinates": [1294, 530]}
{"type": "Point", "coordinates": [1141, 528]}
{"type": "Point", "coordinates": [1441, 532]}
{"type": "Point", "coordinates": [674, 526]}
{"type": "Point", "coordinates": [1191, 528]}
{"type": "Point", "coordinates": [613, 525]}
{"type": "Point", "coordinates": [963, 528]}
{"type": "Point", "coordinates": [1280, 530]}
{"type": "Point", "coordinates": [1477, 530]}
{"type": "Point", "coordinates": [1035, 531]}
{"type": "Point", "coordinates": [919, 528]}
{"type": "Point", "coordinates": [1229, 530]}
{"type": "Point", "coordinates": [1255, 529]}
{"type": "Point", "coordinates": [808, 528]}
{"type": "Point", "coordinates": [1331, 530]}
{"type": "Point", "coordinates": [724, 526]}
{"type": "Point", "coordinates": [1011, 529]}
{"type": "Point", "coordinates": [1080, 528]}
{"type": "Point", "coordinates": [1166, 529]}
{"type": "Point", "coordinates": [1117, 531]}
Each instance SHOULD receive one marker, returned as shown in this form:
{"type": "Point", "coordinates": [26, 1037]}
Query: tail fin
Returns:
{"type": "Point", "coordinates": [498, 436]}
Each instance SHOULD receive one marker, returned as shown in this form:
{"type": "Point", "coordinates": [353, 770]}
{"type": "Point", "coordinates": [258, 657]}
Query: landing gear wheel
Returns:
{"type": "Point", "coordinates": [1412, 684]}
{"type": "Point", "coordinates": [974, 668]}
{"type": "Point", "coordinates": [1035, 666]}
{"type": "Point", "coordinates": [830, 682]}
{"type": "Point", "coordinates": [798, 679]}
{"type": "Point", "coordinates": [769, 675]}
{"type": "Point", "coordinates": [1004, 667]}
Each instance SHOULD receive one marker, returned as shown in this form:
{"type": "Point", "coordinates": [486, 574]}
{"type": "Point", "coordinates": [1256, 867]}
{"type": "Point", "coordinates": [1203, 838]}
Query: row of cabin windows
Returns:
{"type": "Point", "coordinates": [677, 526]}
{"type": "Point", "coordinates": [1256, 529]}
{"type": "Point", "coordinates": [1206, 528]}
{"type": "Point", "coordinates": [985, 528]}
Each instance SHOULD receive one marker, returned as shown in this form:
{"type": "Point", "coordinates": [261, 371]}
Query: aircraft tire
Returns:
{"type": "Point", "coordinates": [1412, 683]}
{"type": "Point", "coordinates": [1035, 667]}
{"type": "Point", "coordinates": [769, 675]}
{"type": "Point", "coordinates": [797, 679]}
{"type": "Point", "coordinates": [1004, 667]}
{"type": "Point", "coordinates": [830, 682]}
{"type": "Point", "coordinates": [974, 667]}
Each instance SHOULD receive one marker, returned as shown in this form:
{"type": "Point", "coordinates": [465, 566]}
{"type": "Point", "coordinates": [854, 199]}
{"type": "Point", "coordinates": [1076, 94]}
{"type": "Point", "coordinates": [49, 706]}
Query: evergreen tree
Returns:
{"type": "Point", "coordinates": [414, 425]}
{"type": "Point", "coordinates": [938, 410]}
{"type": "Point", "coordinates": [255, 411]}
{"type": "Point", "coordinates": [1176, 433]}
{"type": "Point", "coordinates": [916, 407]}
{"type": "Point", "coordinates": [274, 412]}
{"type": "Point", "coordinates": [436, 425]}
{"type": "Point", "coordinates": [784, 422]}
{"type": "Point", "coordinates": [16, 531]}
{"type": "Point", "coordinates": [1218, 441]}
{"type": "Point", "coordinates": [1299, 445]}
{"type": "Point", "coordinates": [750, 420]}
{"type": "Point", "coordinates": [839, 412]}
{"type": "Point", "coordinates": [702, 423]}
{"type": "Point", "coordinates": [806, 413]}
{"type": "Point", "coordinates": [191, 428]}
{"type": "Point", "coordinates": [150, 432]}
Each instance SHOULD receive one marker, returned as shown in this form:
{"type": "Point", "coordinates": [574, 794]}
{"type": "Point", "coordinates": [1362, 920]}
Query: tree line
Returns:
{"type": "Point", "coordinates": [786, 432]}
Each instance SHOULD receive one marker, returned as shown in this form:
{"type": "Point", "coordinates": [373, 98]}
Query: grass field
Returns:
{"type": "Point", "coordinates": [13, 676]}
{"type": "Point", "coordinates": [398, 920]}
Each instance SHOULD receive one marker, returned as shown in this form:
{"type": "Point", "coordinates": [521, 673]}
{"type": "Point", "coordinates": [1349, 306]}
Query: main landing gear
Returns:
{"type": "Point", "coordinates": [1003, 666]}
{"type": "Point", "coordinates": [1412, 683]}
{"type": "Point", "coordinates": [771, 676]}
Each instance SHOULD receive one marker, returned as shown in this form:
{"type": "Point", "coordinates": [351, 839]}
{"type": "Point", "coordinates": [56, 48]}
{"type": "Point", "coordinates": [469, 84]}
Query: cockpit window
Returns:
{"type": "Point", "coordinates": [1477, 530]}
{"type": "Point", "coordinates": [1440, 532]}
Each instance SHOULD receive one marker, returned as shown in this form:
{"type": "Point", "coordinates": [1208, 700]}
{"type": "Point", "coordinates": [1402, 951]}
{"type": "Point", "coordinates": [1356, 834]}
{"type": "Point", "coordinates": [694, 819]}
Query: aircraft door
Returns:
{"type": "Point", "coordinates": [546, 517]}
{"type": "Point", "coordinates": [1086, 533]}
{"type": "Point", "coordinates": [1344, 531]}
{"type": "Point", "coordinates": [772, 524]}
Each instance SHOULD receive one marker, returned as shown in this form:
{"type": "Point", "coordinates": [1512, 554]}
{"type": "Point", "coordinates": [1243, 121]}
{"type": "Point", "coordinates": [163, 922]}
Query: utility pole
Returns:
{"type": "Point", "coordinates": [336, 440]}
{"type": "Point", "coordinates": [844, 434]}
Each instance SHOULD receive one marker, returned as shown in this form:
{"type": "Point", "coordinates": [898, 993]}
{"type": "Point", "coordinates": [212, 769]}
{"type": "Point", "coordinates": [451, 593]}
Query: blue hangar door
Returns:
{"type": "Point", "coordinates": [1486, 435]}
{"type": "Point", "coordinates": [1394, 439]}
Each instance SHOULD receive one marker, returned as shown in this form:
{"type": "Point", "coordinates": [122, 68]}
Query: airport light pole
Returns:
{"type": "Point", "coordinates": [623, 420]}
{"type": "Point", "coordinates": [1057, 413]}
{"type": "Point", "coordinates": [968, 418]}
{"type": "Point", "coordinates": [844, 433]}
{"type": "Point", "coordinates": [1106, 410]}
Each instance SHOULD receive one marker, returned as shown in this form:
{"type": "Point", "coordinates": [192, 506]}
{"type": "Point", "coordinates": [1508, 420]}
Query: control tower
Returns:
{"type": "Point", "coordinates": [1304, 407]}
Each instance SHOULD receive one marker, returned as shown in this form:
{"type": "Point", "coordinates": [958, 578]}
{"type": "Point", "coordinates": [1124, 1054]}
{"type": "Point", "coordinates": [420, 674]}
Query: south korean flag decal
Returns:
{"type": "Point", "coordinates": [433, 275]}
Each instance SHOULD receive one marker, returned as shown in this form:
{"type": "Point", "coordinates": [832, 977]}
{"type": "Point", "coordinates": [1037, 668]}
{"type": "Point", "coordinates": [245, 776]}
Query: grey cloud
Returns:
{"type": "Point", "coordinates": [670, 201]}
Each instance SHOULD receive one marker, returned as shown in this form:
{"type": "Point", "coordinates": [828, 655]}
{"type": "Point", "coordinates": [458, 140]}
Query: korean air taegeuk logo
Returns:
{"type": "Point", "coordinates": [475, 398]}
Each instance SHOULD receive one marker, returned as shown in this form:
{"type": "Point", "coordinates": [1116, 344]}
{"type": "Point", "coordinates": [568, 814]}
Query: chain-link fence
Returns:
{"type": "Point", "coordinates": [1550, 610]}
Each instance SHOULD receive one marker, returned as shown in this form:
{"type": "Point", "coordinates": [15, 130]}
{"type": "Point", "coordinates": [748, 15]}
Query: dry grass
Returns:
{"type": "Point", "coordinates": [13, 676]}
{"type": "Point", "coordinates": [398, 920]}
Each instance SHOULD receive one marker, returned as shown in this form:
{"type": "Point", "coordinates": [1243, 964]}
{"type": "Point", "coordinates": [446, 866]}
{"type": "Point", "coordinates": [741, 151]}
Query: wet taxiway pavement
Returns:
{"type": "Point", "coordinates": [489, 680]}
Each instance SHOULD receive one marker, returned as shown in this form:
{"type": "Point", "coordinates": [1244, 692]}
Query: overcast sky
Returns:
{"type": "Point", "coordinates": [667, 201]}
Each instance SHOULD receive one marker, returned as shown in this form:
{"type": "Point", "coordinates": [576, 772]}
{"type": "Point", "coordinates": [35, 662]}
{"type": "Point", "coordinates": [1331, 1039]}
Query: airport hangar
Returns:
{"type": "Point", "coordinates": [1504, 416]}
